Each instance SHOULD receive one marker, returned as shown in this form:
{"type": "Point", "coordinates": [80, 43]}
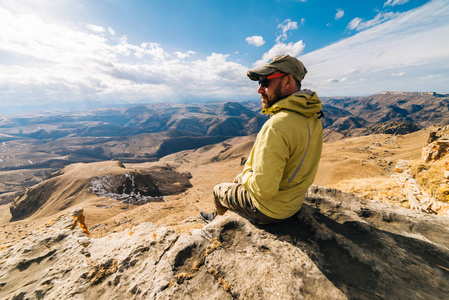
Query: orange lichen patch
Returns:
{"type": "Point", "coordinates": [154, 235]}
{"type": "Point", "coordinates": [51, 222]}
{"type": "Point", "coordinates": [171, 283]}
{"type": "Point", "coordinates": [197, 264]}
{"type": "Point", "coordinates": [401, 166]}
{"type": "Point", "coordinates": [100, 272]}
{"type": "Point", "coordinates": [212, 271]}
{"type": "Point", "coordinates": [183, 276]}
{"type": "Point", "coordinates": [219, 278]}
{"type": "Point", "coordinates": [131, 232]}
{"type": "Point", "coordinates": [214, 244]}
{"type": "Point", "coordinates": [435, 150]}
{"type": "Point", "coordinates": [80, 219]}
{"type": "Point", "coordinates": [226, 286]}
{"type": "Point", "coordinates": [6, 246]}
{"type": "Point", "coordinates": [84, 243]}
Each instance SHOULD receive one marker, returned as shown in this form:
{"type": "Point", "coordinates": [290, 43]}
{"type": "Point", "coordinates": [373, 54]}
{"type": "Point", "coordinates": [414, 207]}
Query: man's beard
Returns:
{"type": "Point", "coordinates": [275, 97]}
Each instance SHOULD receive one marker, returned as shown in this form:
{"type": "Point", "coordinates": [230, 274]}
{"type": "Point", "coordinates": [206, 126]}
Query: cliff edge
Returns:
{"type": "Point", "coordinates": [337, 247]}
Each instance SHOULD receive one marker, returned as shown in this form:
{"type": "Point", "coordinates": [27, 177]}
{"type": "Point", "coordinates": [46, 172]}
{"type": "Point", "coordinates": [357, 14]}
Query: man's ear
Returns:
{"type": "Point", "coordinates": [290, 80]}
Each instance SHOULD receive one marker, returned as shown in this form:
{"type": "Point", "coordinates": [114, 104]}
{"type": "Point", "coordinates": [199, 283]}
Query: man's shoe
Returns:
{"type": "Point", "coordinates": [208, 217]}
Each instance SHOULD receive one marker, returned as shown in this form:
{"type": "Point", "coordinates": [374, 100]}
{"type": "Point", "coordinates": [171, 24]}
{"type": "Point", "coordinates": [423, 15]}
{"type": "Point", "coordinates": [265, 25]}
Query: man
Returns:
{"type": "Point", "coordinates": [285, 156]}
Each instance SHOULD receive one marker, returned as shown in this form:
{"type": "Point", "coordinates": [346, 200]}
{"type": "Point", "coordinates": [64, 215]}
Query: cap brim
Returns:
{"type": "Point", "coordinates": [263, 71]}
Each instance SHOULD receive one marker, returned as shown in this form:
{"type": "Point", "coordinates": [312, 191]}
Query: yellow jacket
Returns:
{"type": "Point", "coordinates": [284, 159]}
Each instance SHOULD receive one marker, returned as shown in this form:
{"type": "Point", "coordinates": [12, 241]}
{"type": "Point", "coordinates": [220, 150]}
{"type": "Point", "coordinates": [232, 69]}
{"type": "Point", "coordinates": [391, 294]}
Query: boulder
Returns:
{"type": "Point", "coordinates": [435, 150]}
{"type": "Point", "coordinates": [337, 247]}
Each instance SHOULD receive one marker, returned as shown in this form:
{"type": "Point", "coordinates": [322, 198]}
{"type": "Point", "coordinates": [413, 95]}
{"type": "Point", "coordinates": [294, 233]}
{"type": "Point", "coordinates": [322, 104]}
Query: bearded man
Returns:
{"type": "Point", "coordinates": [285, 156]}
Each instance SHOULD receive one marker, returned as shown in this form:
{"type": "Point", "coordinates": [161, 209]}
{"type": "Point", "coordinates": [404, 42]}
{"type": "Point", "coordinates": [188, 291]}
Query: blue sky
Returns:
{"type": "Point", "coordinates": [84, 53]}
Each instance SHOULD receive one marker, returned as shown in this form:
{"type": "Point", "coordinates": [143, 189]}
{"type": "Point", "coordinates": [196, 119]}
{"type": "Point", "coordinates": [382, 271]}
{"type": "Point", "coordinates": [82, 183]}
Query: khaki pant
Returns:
{"type": "Point", "coordinates": [234, 196]}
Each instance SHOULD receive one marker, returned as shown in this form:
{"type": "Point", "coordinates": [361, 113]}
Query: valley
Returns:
{"type": "Point", "coordinates": [207, 141]}
{"type": "Point", "coordinates": [110, 215]}
{"type": "Point", "coordinates": [34, 146]}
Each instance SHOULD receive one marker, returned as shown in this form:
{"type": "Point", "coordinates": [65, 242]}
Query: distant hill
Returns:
{"type": "Point", "coordinates": [424, 109]}
{"type": "Point", "coordinates": [124, 122]}
{"type": "Point", "coordinates": [418, 109]}
{"type": "Point", "coordinates": [34, 146]}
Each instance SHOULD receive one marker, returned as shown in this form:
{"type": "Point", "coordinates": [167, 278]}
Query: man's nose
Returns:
{"type": "Point", "coordinates": [260, 89]}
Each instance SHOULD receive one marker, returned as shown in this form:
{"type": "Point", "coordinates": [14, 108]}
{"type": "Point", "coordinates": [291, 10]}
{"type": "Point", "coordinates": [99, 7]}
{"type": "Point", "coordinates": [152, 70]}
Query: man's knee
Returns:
{"type": "Point", "coordinates": [220, 197]}
{"type": "Point", "coordinates": [221, 189]}
{"type": "Point", "coordinates": [238, 178]}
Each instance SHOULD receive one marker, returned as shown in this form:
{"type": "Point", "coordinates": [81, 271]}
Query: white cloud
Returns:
{"type": "Point", "coordinates": [340, 13]}
{"type": "Point", "coordinates": [187, 54]}
{"type": "Point", "coordinates": [293, 49]}
{"type": "Point", "coordinates": [95, 28]}
{"type": "Point", "coordinates": [432, 76]}
{"type": "Point", "coordinates": [111, 31]}
{"type": "Point", "coordinates": [354, 23]}
{"type": "Point", "coordinates": [359, 25]}
{"type": "Point", "coordinates": [285, 27]}
{"type": "Point", "coordinates": [395, 2]}
{"type": "Point", "coordinates": [42, 62]}
{"type": "Point", "coordinates": [256, 40]}
{"type": "Point", "coordinates": [153, 49]}
{"type": "Point", "coordinates": [413, 45]}
{"type": "Point", "coordinates": [30, 36]}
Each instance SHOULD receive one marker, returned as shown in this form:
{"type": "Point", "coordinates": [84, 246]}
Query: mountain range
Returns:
{"type": "Point", "coordinates": [34, 146]}
{"type": "Point", "coordinates": [419, 109]}
{"type": "Point", "coordinates": [105, 230]}
{"type": "Point", "coordinates": [106, 205]}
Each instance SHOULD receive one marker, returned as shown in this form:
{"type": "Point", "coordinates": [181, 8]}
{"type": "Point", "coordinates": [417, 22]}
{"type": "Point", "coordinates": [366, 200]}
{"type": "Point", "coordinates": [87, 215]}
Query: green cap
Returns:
{"type": "Point", "coordinates": [283, 63]}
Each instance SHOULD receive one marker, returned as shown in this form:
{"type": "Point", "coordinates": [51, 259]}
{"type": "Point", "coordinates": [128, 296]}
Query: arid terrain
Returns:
{"type": "Point", "coordinates": [110, 213]}
{"type": "Point", "coordinates": [365, 138]}
{"type": "Point", "coordinates": [359, 165]}
{"type": "Point", "coordinates": [337, 247]}
{"type": "Point", "coordinates": [34, 146]}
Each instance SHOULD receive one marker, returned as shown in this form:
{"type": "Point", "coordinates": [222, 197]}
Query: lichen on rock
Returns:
{"type": "Point", "coordinates": [337, 247]}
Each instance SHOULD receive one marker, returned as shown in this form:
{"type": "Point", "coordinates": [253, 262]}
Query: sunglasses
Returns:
{"type": "Point", "coordinates": [264, 80]}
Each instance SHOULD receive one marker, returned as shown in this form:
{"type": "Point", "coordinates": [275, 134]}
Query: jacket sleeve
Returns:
{"type": "Point", "coordinates": [268, 158]}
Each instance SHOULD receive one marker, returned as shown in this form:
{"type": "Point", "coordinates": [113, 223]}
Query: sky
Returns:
{"type": "Point", "coordinates": [76, 54]}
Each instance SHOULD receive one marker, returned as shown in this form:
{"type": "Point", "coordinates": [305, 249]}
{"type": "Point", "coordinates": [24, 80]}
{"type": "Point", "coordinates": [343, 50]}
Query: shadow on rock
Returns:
{"type": "Point", "coordinates": [371, 251]}
{"type": "Point", "coordinates": [337, 247]}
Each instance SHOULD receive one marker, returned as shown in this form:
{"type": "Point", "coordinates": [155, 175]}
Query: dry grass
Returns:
{"type": "Point", "coordinates": [361, 165]}
{"type": "Point", "coordinates": [375, 188]}
{"type": "Point", "coordinates": [430, 176]}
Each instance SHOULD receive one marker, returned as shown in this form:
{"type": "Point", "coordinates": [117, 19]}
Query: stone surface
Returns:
{"type": "Point", "coordinates": [337, 247]}
{"type": "Point", "coordinates": [435, 150]}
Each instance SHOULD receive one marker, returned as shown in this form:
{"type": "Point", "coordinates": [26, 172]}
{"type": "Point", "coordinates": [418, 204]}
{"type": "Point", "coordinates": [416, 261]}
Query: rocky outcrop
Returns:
{"type": "Point", "coordinates": [435, 150]}
{"type": "Point", "coordinates": [69, 186]}
{"type": "Point", "coordinates": [416, 196]}
{"type": "Point", "coordinates": [337, 247]}
{"type": "Point", "coordinates": [433, 172]}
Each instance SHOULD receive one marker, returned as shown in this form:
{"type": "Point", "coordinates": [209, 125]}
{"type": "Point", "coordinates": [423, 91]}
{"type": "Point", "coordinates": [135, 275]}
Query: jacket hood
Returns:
{"type": "Point", "coordinates": [305, 102]}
